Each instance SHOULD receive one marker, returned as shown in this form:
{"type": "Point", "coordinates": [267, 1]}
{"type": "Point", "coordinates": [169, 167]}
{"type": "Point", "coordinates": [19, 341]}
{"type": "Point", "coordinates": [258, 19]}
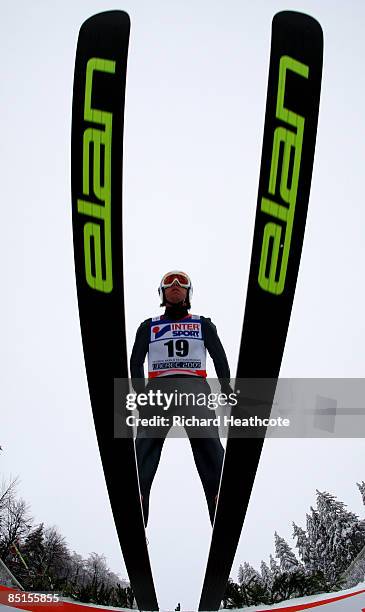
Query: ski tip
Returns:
{"type": "Point", "coordinates": [108, 18]}
{"type": "Point", "coordinates": [295, 19]}
{"type": "Point", "coordinates": [104, 31]}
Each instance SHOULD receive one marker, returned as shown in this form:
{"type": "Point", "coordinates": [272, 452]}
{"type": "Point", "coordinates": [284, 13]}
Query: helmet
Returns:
{"type": "Point", "coordinates": [169, 279]}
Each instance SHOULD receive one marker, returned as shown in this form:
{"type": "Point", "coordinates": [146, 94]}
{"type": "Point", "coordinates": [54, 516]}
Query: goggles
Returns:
{"type": "Point", "coordinates": [182, 279]}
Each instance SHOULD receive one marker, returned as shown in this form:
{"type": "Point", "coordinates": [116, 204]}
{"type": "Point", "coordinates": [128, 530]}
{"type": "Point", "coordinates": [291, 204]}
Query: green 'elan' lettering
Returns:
{"type": "Point", "coordinates": [100, 142]}
{"type": "Point", "coordinates": [272, 279]}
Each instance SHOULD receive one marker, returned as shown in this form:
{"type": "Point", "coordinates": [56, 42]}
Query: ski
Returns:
{"type": "Point", "coordinates": [96, 169]}
{"type": "Point", "coordinates": [285, 177]}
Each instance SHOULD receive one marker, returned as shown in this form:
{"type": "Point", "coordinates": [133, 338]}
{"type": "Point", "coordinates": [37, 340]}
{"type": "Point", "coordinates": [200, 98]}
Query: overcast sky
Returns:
{"type": "Point", "coordinates": [195, 103]}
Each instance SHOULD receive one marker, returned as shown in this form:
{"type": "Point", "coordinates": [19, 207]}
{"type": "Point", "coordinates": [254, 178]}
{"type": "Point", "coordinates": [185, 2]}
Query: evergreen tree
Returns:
{"type": "Point", "coordinates": [33, 548]}
{"type": "Point", "coordinates": [34, 555]}
{"type": "Point", "coordinates": [316, 539]}
{"type": "Point", "coordinates": [266, 575]}
{"type": "Point", "coordinates": [274, 568]}
{"type": "Point", "coordinates": [344, 533]}
{"type": "Point", "coordinates": [249, 575]}
{"type": "Point", "coordinates": [234, 597]}
{"type": "Point", "coordinates": [302, 544]}
{"type": "Point", "coordinates": [297, 583]}
{"type": "Point", "coordinates": [287, 559]}
{"type": "Point", "coordinates": [361, 487]}
{"type": "Point", "coordinates": [253, 588]}
{"type": "Point", "coordinates": [258, 593]}
{"type": "Point", "coordinates": [335, 536]}
{"type": "Point", "coordinates": [121, 597]}
{"type": "Point", "coordinates": [130, 597]}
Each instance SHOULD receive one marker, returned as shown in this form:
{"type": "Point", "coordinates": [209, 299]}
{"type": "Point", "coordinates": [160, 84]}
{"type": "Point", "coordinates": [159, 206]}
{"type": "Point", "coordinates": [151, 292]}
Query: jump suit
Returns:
{"type": "Point", "coordinates": [208, 451]}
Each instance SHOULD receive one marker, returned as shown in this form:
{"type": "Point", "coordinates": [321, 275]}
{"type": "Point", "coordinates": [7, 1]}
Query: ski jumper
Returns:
{"type": "Point", "coordinates": [176, 345]}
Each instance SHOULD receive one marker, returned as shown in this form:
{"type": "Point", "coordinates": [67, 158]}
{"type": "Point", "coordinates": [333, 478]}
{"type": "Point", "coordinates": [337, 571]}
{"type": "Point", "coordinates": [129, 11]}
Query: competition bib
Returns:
{"type": "Point", "coordinates": [176, 347]}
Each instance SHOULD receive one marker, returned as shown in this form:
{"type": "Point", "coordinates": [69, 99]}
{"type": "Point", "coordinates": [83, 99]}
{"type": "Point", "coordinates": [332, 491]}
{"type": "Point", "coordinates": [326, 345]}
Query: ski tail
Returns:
{"type": "Point", "coordinates": [285, 178]}
{"type": "Point", "coordinates": [96, 177]}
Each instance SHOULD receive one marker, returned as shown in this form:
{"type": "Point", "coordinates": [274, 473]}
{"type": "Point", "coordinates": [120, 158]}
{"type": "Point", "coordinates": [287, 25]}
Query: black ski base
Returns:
{"type": "Point", "coordinates": [97, 162]}
{"type": "Point", "coordinates": [285, 178]}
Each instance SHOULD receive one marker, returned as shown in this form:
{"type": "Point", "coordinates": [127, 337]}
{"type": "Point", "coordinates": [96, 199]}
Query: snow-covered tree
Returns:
{"type": "Point", "coordinates": [33, 548]}
{"type": "Point", "coordinates": [96, 568]}
{"type": "Point", "coordinates": [240, 574]}
{"type": "Point", "coordinates": [249, 575]}
{"type": "Point", "coordinates": [303, 544]}
{"type": "Point", "coordinates": [266, 575]}
{"type": "Point", "coordinates": [345, 529]}
{"type": "Point", "coordinates": [15, 523]}
{"type": "Point", "coordinates": [316, 540]}
{"type": "Point", "coordinates": [274, 568]}
{"type": "Point", "coordinates": [76, 569]}
{"type": "Point", "coordinates": [287, 559]}
{"type": "Point", "coordinates": [234, 596]}
{"type": "Point", "coordinates": [7, 492]}
{"type": "Point", "coordinates": [361, 486]}
{"type": "Point", "coordinates": [335, 536]}
{"type": "Point", "coordinates": [57, 556]}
